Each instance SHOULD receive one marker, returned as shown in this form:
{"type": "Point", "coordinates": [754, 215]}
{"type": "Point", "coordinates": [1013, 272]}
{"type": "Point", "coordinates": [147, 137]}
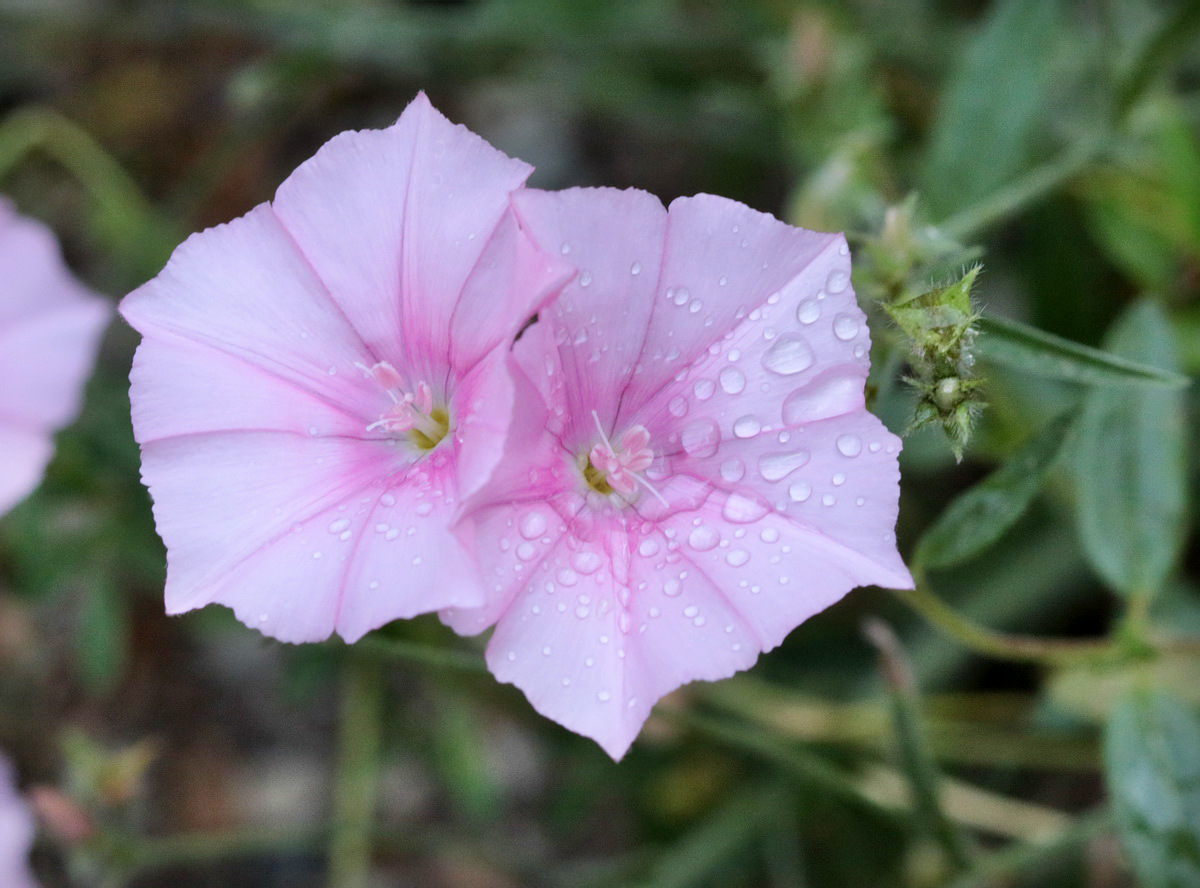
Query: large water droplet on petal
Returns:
{"type": "Point", "coordinates": [733, 381]}
{"type": "Point", "coordinates": [746, 426]}
{"type": "Point", "coordinates": [533, 525]}
{"type": "Point", "coordinates": [833, 393]}
{"type": "Point", "coordinates": [704, 389]}
{"type": "Point", "coordinates": [701, 438]}
{"type": "Point", "coordinates": [732, 470]}
{"type": "Point", "coordinates": [777, 466]}
{"type": "Point", "coordinates": [744, 509]}
{"type": "Point", "coordinates": [838, 281]}
{"type": "Point", "coordinates": [790, 354]}
{"type": "Point", "coordinates": [586, 561]}
{"type": "Point", "coordinates": [678, 406]}
{"type": "Point", "coordinates": [703, 538]}
{"type": "Point", "coordinates": [808, 311]}
{"type": "Point", "coordinates": [845, 327]}
{"type": "Point", "coordinates": [800, 491]}
{"type": "Point", "coordinates": [849, 445]}
{"type": "Point", "coordinates": [737, 557]}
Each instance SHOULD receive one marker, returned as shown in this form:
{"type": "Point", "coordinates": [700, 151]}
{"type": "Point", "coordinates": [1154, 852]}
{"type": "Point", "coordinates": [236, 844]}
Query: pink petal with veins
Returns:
{"type": "Point", "coordinates": [304, 384]}
{"type": "Point", "coordinates": [50, 329]}
{"type": "Point", "coordinates": [729, 346]}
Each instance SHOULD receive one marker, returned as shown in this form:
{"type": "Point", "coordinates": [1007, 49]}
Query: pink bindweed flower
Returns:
{"type": "Point", "coordinates": [50, 327]}
{"type": "Point", "coordinates": [323, 379]}
{"type": "Point", "coordinates": [17, 829]}
{"type": "Point", "coordinates": [710, 477]}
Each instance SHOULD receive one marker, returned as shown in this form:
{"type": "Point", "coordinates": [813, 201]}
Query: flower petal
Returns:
{"type": "Point", "coordinates": [26, 453]}
{"type": "Point", "coordinates": [615, 238]}
{"type": "Point", "coordinates": [245, 289]}
{"type": "Point", "coordinates": [370, 213]}
{"type": "Point", "coordinates": [17, 829]}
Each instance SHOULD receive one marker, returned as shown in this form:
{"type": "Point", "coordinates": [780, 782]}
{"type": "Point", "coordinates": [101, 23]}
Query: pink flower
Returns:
{"type": "Point", "coordinates": [17, 830]}
{"type": "Point", "coordinates": [50, 328]}
{"type": "Point", "coordinates": [322, 380]}
{"type": "Point", "coordinates": [710, 477]}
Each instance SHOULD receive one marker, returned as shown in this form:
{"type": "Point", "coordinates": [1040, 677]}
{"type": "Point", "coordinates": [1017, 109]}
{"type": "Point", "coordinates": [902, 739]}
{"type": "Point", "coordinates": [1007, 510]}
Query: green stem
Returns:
{"type": "Point", "coordinates": [916, 754]}
{"type": "Point", "coordinates": [146, 855]}
{"type": "Point", "coordinates": [356, 778]}
{"type": "Point", "coordinates": [1001, 645]}
{"type": "Point", "coordinates": [1002, 866]}
{"type": "Point", "coordinates": [383, 648]}
{"type": "Point", "coordinates": [1158, 52]}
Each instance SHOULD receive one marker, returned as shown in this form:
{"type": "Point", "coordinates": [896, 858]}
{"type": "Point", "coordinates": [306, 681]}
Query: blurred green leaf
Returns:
{"type": "Point", "coordinates": [1131, 465]}
{"type": "Point", "coordinates": [1026, 348]}
{"type": "Point", "coordinates": [1152, 755]}
{"type": "Point", "coordinates": [993, 105]}
{"type": "Point", "coordinates": [102, 635]}
{"type": "Point", "coordinates": [977, 518]}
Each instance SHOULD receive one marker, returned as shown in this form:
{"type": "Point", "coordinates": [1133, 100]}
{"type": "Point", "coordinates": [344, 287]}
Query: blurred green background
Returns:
{"type": "Point", "coordinates": [1055, 141]}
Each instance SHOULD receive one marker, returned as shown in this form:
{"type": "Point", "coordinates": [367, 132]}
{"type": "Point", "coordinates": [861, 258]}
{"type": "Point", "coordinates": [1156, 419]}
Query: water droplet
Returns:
{"type": "Point", "coordinates": [701, 438]}
{"type": "Point", "coordinates": [704, 538]}
{"type": "Point", "coordinates": [733, 381]}
{"type": "Point", "coordinates": [585, 278]}
{"type": "Point", "coordinates": [648, 548]}
{"type": "Point", "coordinates": [604, 696]}
{"type": "Point", "coordinates": [777, 466]}
{"type": "Point", "coordinates": [586, 561]}
{"type": "Point", "coordinates": [533, 525]}
{"type": "Point", "coordinates": [681, 296]}
{"type": "Point", "coordinates": [845, 327]}
{"type": "Point", "coordinates": [313, 430]}
{"type": "Point", "coordinates": [769, 535]}
{"type": "Point", "coordinates": [722, 281]}
{"type": "Point", "coordinates": [316, 556]}
{"type": "Point", "coordinates": [746, 426]}
{"type": "Point", "coordinates": [837, 281]}
{"type": "Point", "coordinates": [732, 470]}
{"type": "Point", "coordinates": [678, 406]}
{"type": "Point", "coordinates": [833, 393]}
{"type": "Point", "coordinates": [624, 623]}
{"type": "Point", "coordinates": [526, 551]}
{"type": "Point", "coordinates": [695, 305]}
{"type": "Point", "coordinates": [743, 509]}
{"type": "Point", "coordinates": [704, 389]}
{"type": "Point", "coordinates": [424, 509]}
{"type": "Point", "coordinates": [800, 491]}
{"type": "Point", "coordinates": [790, 354]}
{"type": "Point", "coordinates": [387, 500]}
{"type": "Point", "coordinates": [566, 248]}
{"type": "Point", "coordinates": [636, 268]}
{"type": "Point", "coordinates": [838, 479]}
{"type": "Point", "coordinates": [547, 651]}
{"type": "Point", "coordinates": [849, 445]}
{"type": "Point", "coordinates": [567, 577]}
{"type": "Point", "coordinates": [828, 499]}
{"type": "Point", "coordinates": [737, 557]}
{"type": "Point", "coordinates": [690, 611]}
{"type": "Point", "coordinates": [808, 311]}
{"type": "Point", "coordinates": [582, 612]}
{"type": "Point", "coordinates": [339, 525]}
{"type": "Point", "coordinates": [671, 588]}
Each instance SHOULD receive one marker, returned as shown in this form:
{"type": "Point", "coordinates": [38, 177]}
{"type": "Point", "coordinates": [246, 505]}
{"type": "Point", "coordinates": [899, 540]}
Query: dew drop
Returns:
{"type": "Point", "coordinates": [585, 278]}
{"type": "Point", "coordinates": [567, 577]}
{"type": "Point", "coordinates": [839, 479]}
{"type": "Point", "coordinates": [828, 499]}
{"type": "Point", "coordinates": [777, 466]}
{"type": "Point", "coordinates": [732, 470]}
{"type": "Point", "coordinates": [769, 535]}
{"type": "Point", "coordinates": [635, 268]}
{"type": "Point", "coordinates": [339, 525]}
{"type": "Point", "coordinates": [586, 561]}
{"type": "Point", "coordinates": [704, 389]}
{"type": "Point", "coordinates": [808, 311]}
{"type": "Point", "coordinates": [746, 426]}
{"type": "Point", "coordinates": [533, 525]}
{"type": "Point", "coordinates": [387, 500]}
{"type": "Point", "coordinates": [733, 381]}
{"type": "Point", "coordinates": [737, 557]}
{"type": "Point", "coordinates": [833, 393]}
{"type": "Point", "coordinates": [648, 548]}
{"type": "Point", "coordinates": [678, 406]}
{"type": "Point", "coordinates": [742, 509]}
{"type": "Point", "coordinates": [604, 696]}
{"type": "Point", "coordinates": [695, 305]}
{"type": "Point", "coordinates": [837, 281]}
{"type": "Point", "coordinates": [671, 588]}
{"type": "Point", "coordinates": [424, 509]}
{"type": "Point", "coordinates": [845, 327]}
{"type": "Point", "coordinates": [681, 296]}
{"type": "Point", "coordinates": [526, 551]}
{"type": "Point", "coordinates": [704, 538]}
{"type": "Point", "coordinates": [582, 612]}
{"type": "Point", "coordinates": [800, 491]}
{"type": "Point", "coordinates": [849, 445]}
{"type": "Point", "coordinates": [701, 438]}
{"type": "Point", "coordinates": [690, 611]}
{"type": "Point", "coordinates": [790, 354]}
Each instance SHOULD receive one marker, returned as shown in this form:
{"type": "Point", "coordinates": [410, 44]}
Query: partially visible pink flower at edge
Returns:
{"type": "Point", "coordinates": [17, 830]}
{"type": "Point", "coordinates": [50, 328]}
{"type": "Point", "coordinates": [321, 381]}
{"type": "Point", "coordinates": [709, 477]}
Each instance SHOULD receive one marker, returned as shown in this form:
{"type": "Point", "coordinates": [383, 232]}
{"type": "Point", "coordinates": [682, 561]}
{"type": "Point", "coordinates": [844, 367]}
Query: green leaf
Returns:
{"type": "Point", "coordinates": [1131, 465]}
{"type": "Point", "coordinates": [1021, 347]}
{"type": "Point", "coordinates": [978, 517]}
{"type": "Point", "coordinates": [1152, 758]}
{"type": "Point", "coordinates": [102, 641]}
{"type": "Point", "coordinates": [994, 105]}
